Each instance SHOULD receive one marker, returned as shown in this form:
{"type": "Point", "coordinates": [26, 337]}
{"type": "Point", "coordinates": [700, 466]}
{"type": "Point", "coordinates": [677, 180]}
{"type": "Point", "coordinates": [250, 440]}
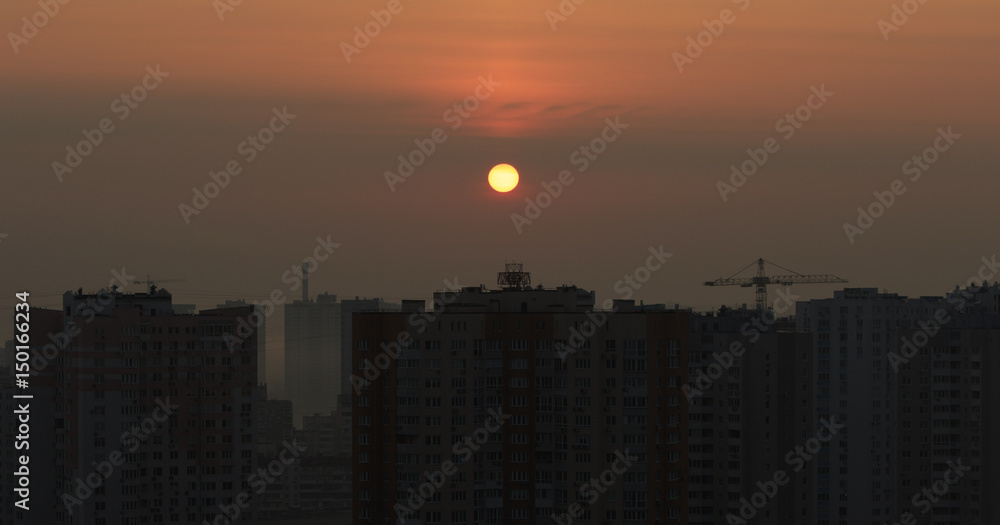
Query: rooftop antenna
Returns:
{"type": "Point", "coordinates": [513, 277]}
{"type": "Point", "coordinates": [305, 282]}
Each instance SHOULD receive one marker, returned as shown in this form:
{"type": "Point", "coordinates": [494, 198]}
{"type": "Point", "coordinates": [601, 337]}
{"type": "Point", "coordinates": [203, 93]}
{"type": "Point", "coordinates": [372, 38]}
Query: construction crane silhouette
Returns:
{"type": "Point", "coordinates": [761, 280]}
{"type": "Point", "coordinates": [151, 283]}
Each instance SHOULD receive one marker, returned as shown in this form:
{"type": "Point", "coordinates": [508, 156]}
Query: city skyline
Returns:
{"type": "Point", "coordinates": [741, 298]}
{"type": "Point", "coordinates": [276, 338]}
{"type": "Point", "coordinates": [532, 262]}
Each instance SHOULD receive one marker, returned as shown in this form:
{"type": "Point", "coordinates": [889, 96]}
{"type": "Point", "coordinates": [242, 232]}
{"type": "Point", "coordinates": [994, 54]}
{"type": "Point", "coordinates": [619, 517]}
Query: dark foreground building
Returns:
{"type": "Point", "coordinates": [139, 415]}
{"type": "Point", "coordinates": [520, 406]}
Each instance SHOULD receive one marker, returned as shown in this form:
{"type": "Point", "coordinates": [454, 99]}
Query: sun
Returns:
{"type": "Point", "coordinates": [503, 178]}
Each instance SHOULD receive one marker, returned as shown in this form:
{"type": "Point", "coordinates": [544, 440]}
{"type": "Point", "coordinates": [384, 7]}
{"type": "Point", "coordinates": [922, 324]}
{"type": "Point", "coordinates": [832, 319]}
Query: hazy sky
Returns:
{"type": "Point", "coordinates": [655, 185]}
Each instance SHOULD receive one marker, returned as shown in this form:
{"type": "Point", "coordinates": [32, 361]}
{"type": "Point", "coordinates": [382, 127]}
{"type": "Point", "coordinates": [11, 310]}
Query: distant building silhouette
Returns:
{"type": "Point", "coordinates": [312, 359]}
{"type": "Point", "coordinates": [317, 348]}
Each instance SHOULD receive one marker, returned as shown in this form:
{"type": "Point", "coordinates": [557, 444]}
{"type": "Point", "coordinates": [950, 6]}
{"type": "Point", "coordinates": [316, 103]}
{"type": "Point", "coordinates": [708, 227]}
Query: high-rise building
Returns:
{"type": "Point", "coordinates": [259, 324]}
{"type": "Point", "coordinates": [317, 350]}
{"type": "Point", "coordinates": [312, 356]}
{"type": "Point", "coordinates": [520, 406]}
{"type": "Point", "coordinates": [38, 503]}
{"type": "Point", "coordinates": [948, 368]}
{"type": "Point", "coordinates": [751, 404]}
{"type": "Point", "coordinates": [350, 307]}
{"type": "Point", "coordinates": [853, 334]}
{"type": "Point", "coordinates": [148, 413]}
{"type": "Point", "coordinates": [912, 380]}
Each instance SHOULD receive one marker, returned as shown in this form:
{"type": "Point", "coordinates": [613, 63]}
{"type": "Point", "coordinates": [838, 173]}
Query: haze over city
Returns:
{"type": "Point", "coordinates": [324, 175]}
{"type": "Point", "coordinates": [211, 147]}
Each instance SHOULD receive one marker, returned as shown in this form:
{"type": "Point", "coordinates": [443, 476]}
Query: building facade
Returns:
{"type": "Point", "coordinates": [259, 325]}
{"type": "Point", "coordinates": [152, 415]}
{"type": "Point", "coordinates": [520, 406]}
{"type": "Point", "coordinates": [751, 403]}
{"type": "Point", "coordinates": [912, 380]}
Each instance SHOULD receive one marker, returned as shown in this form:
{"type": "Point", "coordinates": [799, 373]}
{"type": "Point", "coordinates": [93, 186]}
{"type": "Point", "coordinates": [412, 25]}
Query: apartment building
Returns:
{"type": "Point", "coordinates": [751, 405]}
{"type": "Point", "coordinates": [520, 405]}
{"type": "Point", "coordinates": [912, 379]}
{"type": "Point", "coordinates": [151, 413]}
{"type": "Point", "coordinates": [947, 367]}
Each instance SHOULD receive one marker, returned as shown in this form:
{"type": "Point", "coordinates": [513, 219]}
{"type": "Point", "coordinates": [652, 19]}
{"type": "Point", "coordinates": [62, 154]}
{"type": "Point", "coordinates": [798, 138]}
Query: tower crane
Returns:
{"type": "Point", "coordinates": [761, 280]}
{"type": "Point", "coordinates": [151, 283]}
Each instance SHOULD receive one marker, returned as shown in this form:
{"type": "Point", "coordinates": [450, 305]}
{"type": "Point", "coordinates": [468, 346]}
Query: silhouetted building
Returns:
{"type": "Point", "coordinates": [526, 401]}
{"type": "Point", "coordinates": [274, 425]}
{"type": "Point", "coordinates": [148, 413]}
{"type": "Point", "coordinates": [317, 348]}
{"type": "Point", "coordinates": [321, 433]}
{"type": "Point", "coordinates": [259, 324]}
{"type": "Point", "coordinates": [908, 377]}
{"type": "Point", "coordinates": [751, 403]}
{"type": "Point", "coordinates": [43, 469]}
{"type": "Point", "coordinates": [312, 356]}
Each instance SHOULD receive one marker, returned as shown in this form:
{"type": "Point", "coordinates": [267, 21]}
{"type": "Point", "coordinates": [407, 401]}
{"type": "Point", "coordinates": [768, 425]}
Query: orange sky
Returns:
{"type": "Point", "coordinates": [604, 54]}
{"type": "Point", "coordinates": [324, 175]}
